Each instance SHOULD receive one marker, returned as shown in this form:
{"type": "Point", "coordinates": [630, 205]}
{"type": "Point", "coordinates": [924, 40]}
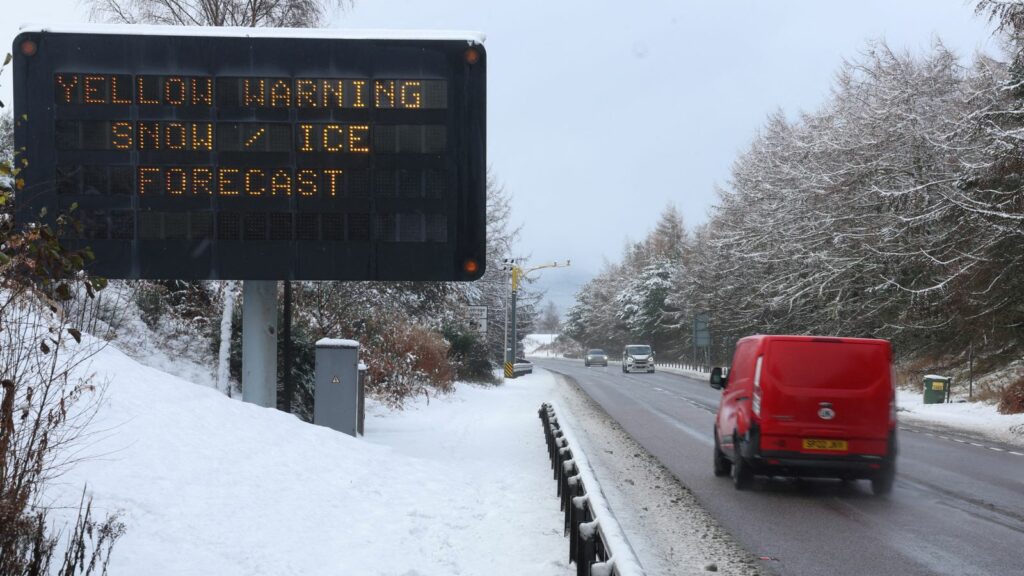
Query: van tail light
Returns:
{"type": "Point", "coordinates": [892, 397]}
{"type": "Point", "coordinates": [756, 405]}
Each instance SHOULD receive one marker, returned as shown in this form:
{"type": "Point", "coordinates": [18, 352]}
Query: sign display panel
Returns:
{"type": "Point", "coordinates": [247, 157]}
{"type": "Point", "coordinates": [477, 318]}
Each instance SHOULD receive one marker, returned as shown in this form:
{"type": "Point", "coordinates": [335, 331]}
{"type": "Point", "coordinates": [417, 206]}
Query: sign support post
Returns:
{"type": "Point", "coordinates": [259, 342]}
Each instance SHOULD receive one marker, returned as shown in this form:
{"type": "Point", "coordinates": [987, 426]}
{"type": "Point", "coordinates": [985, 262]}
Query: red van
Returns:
{"type": "Point", "coordinates": [807, 406]}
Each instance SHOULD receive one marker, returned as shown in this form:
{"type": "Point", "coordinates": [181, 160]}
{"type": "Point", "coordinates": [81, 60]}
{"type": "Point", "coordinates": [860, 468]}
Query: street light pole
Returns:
{"type": "Point", "coordinates": [507, 265]}
{"type": "Point", "coordinates": [518, 273]}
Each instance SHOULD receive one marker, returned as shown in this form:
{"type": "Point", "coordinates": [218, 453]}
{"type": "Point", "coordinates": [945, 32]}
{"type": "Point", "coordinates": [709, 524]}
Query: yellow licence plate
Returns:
{"type": "Point", "coordinates": [831, 445]}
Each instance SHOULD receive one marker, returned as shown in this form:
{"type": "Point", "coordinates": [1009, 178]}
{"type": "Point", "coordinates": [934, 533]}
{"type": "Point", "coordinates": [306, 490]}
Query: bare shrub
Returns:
{"type": "Point", "coordinates": [45, 412]}
{"type": "Point", "coordinates": [406, 360]}
{"type": "Point", "coordinates": [46, 402]}
{"type": "Point", "coordinates": [1011, 400]}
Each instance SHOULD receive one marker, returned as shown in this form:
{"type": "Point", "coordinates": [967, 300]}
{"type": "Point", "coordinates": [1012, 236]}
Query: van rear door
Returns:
{"type": "Point", "coordinates": [826, 395]}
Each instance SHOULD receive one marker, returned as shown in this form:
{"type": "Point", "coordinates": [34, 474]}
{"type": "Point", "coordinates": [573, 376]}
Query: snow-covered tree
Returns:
{"type": "Point", "coordinates": [245, 13]}
{"type": "Point", "coordinates": [893, 210]}
{"type": "Point", "coordinates": [550, 321]}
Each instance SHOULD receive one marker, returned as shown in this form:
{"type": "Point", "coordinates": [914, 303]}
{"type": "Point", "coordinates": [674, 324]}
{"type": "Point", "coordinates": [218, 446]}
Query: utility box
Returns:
{"type": "Point", "coordinates": [338, 398]}
{"type": "Point", "coordinates": [936, 389]}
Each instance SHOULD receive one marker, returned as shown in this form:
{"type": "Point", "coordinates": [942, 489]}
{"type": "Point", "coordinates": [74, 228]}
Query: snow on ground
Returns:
{"type": "Point", "coordinates": [972, 417]}
{"type": "Point", "coordinates": [530, 342]}
{"type": "Point", "coordinates": [533, 342]}
{"type": "Point", "coordinates": [210, 485]}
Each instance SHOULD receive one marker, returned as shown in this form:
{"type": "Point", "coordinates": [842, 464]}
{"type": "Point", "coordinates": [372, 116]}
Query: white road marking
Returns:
{"type": "Point", "coordinates": [979, 445]}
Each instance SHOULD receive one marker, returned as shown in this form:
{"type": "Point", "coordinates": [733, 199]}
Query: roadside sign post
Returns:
{"type": "Point", "coordinates": [701, 337]}
{"type": "Point", "coordinates": [259, 343]}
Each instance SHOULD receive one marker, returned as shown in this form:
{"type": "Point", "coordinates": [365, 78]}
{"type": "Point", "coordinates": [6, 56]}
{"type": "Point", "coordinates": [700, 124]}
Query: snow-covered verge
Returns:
{"type": "Point", "coordinates": [973, 417]}
{"type": "Point", "coordinates": [533, 344]}
{"type": "Point", "coordinates": [210, 485]}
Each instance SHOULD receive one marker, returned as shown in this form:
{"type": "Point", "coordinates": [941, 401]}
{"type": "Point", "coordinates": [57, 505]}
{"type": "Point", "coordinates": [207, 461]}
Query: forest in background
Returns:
{"type": "Point", "coordinates": [895, 210]}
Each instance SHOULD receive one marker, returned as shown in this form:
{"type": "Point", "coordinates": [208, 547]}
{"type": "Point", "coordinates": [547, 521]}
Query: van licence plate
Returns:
{"type": "Point", "coordinates": [830, 445]}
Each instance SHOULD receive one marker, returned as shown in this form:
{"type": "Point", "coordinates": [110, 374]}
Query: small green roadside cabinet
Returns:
{"type": "Point", "coordinates": [936, 389]}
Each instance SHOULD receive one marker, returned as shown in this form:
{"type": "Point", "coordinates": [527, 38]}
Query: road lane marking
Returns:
{"type": "Point", "coordinates": [961, 441]}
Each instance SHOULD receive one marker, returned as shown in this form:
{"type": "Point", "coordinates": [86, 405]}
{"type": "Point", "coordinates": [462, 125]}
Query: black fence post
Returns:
{"type": "Point", "coordinates": [579, 515]}
{"type": "Point", "coordinates": [587, 537]}
{"type": "Point", "coordinates": [568, 471]}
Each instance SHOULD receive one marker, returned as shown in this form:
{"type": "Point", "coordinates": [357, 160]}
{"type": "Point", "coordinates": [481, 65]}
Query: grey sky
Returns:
{"type": "Point", "coordinates": [601, 113]}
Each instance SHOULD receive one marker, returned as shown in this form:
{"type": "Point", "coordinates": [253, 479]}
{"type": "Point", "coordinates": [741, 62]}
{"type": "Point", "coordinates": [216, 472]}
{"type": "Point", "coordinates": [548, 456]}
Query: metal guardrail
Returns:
{"type": "Point", "coordinates": [588, 547]}
{"type": "Point", "coordinates": [685, 366]}
{"type": "Point", "coordinates": [677, 365]}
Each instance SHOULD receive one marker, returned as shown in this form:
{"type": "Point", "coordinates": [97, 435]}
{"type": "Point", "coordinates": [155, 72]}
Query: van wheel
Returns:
{"type": "Point", "coordinates": [722, 465]}
{"type": "Point", "coordinates": [742, 474]}
{"type": "Point", "coordinates": [881, 483]}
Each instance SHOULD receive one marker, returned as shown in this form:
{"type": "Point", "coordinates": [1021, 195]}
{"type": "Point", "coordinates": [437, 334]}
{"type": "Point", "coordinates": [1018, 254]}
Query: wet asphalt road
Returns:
{"type": "Point", "coordinates": [957, 508]}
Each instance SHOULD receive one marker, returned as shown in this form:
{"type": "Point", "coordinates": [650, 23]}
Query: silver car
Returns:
{"type": "Point", "coordinates": [595, 357]}
{"type": "Point", "coordinates": [638, 358]}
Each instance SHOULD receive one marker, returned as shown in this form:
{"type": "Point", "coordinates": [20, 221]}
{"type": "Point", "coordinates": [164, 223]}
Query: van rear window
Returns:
{"type": "Point", "coordinates": [821, 364]}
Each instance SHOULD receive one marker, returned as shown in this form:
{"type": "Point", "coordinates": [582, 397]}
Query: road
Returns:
{"type": "Point", "coordinates": [957, 508]}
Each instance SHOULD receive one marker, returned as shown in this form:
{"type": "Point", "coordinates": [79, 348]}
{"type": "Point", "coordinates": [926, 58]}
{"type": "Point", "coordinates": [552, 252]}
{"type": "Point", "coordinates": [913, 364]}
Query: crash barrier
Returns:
{"type": "Point", "coordinates": [684, 366]}
{"type": "Point", "coordinates": [588, 546]}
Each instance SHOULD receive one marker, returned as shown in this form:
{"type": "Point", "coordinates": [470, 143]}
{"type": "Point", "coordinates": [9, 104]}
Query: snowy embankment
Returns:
{"type": "Point", "coordinates": [210, 485]}
{"type": "Point", "coordinates": [539, 345]}
{"type": "Point", "coordinates": [972, 417]}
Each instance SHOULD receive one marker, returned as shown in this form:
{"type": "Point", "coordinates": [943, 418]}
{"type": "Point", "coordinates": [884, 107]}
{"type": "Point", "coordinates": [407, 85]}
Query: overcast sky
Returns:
{"type": "Point", "coordinates": [602, 113]}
